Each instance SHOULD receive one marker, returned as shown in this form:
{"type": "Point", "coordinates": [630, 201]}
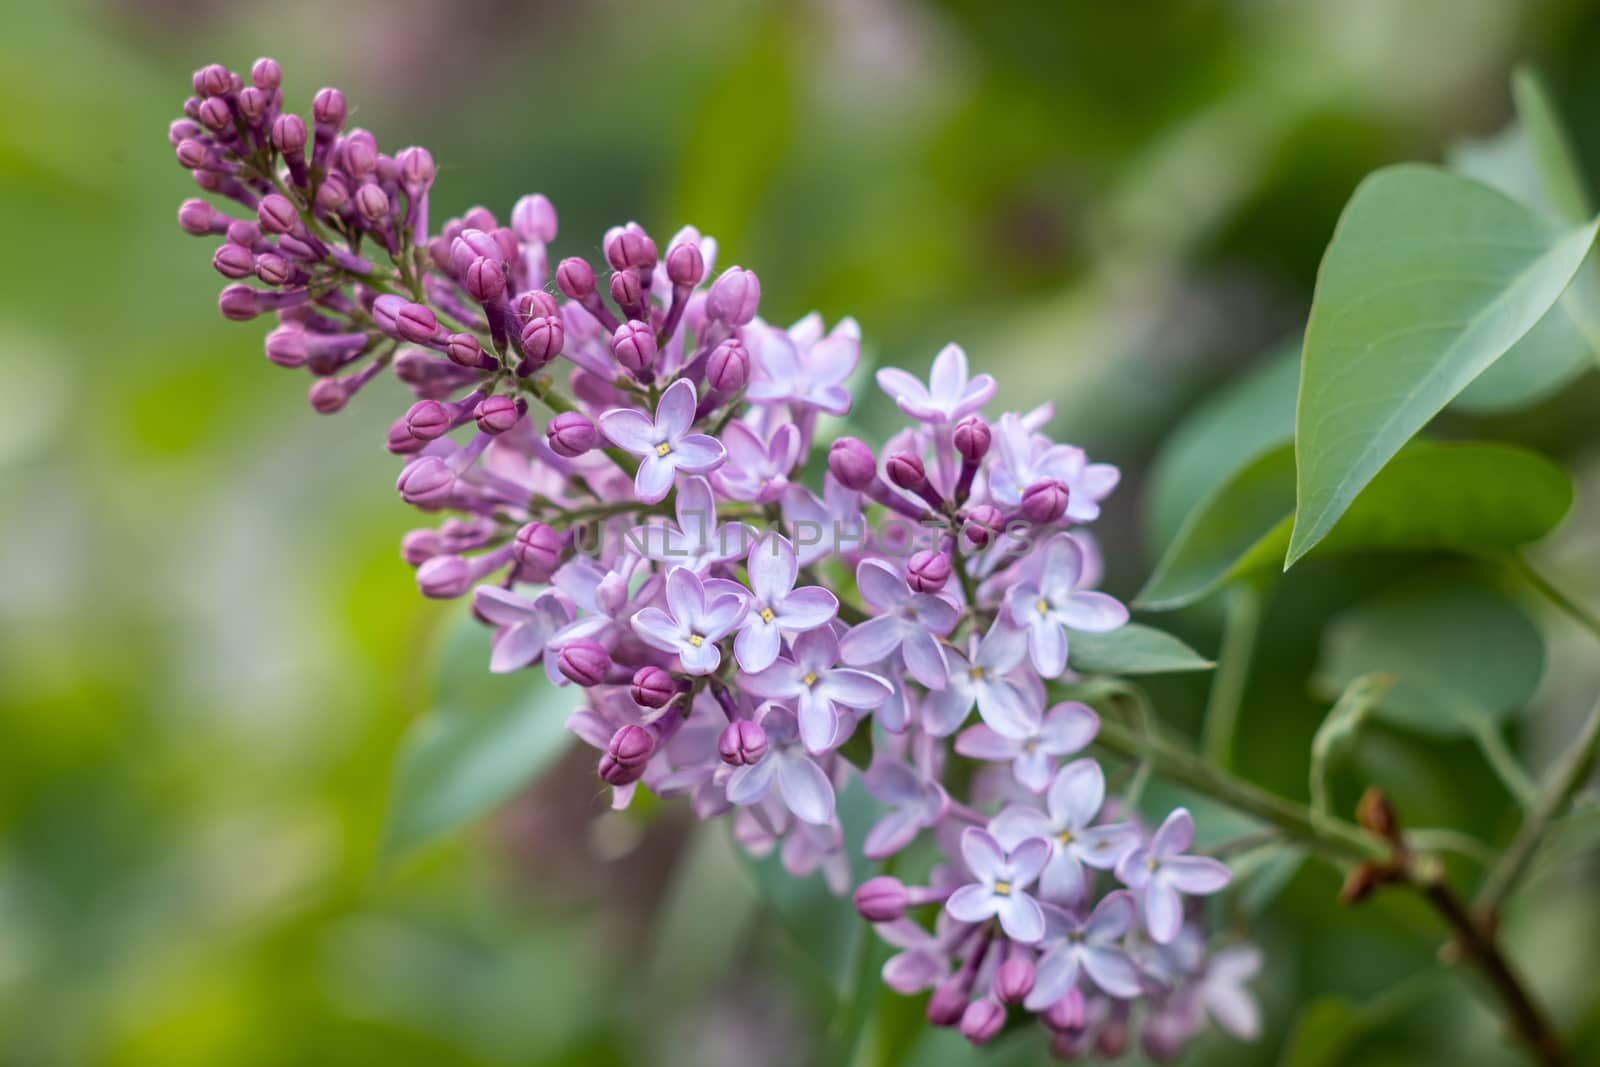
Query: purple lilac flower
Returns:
{"type": "Point", "coordinates": [917, 802]}
{"type": "Point", "coordinates": [908, 621]}
{"type": "Point", "coordinates": [950, 393]}
{"type": "Point", "coordinates": [1066, 728]}
{"type": "Point", "coordinates": [1160, 872]}
{"type": "Point", "coordinates": [664, 442]}
{"type": "Point", "coordinates": [757, 469]}
{"type": "Point", "coordinates": [1002, 878]}
{"type": "Point", "coordinates": [1007, 707]}
{"type": "Point", "coordinates": [1089, 946]}
{"type": "Point", "coordinates": [694, 626]}
{"type": "Point", "coordinates": [696, 541]}
{"type": "Point", "coordinates": [525, 626]}
{"type": "Point", "coordinates": [802, 784]}
{"type": "Point", "coordinates": [777, 606]}
{"type": "Point", "coordinates": [790, 367]}
{"type": "Point", "coordinates": [1054, 604]}
{"type": "Point", "coordinates": [818, 688]}
{"type": "Point", "coordinates": [1073, 802]}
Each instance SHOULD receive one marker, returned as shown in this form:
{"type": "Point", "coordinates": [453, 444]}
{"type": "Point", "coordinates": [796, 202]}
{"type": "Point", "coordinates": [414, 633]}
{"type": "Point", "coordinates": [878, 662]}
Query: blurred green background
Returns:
{"type": "Point", "coordinates": [209, 648]}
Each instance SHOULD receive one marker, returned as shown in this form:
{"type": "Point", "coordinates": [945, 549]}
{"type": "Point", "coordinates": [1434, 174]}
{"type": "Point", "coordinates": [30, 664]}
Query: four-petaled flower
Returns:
{"type": "Point", "coordinates": [950, 394]}
{"type": "Point", "coordinates": [777, 605]}
{"type": "Point", "coordinates": [1091, 946]}
{"type": "Point", "coordinates": [801, 367]}
{"type": "Point", "coordinates": [696, 540]}
{"type": "Point", "coordinates": [1027, 458]}
{"type": "Point", "coordinates": [817, 687]}
{"type": "Point", "coordinates": [1066, 728]}
{"type": "Point", "coordinates": [1074, 800]}
{"type": "Point", "coordinates": [664, 442]}
{"type": "Point", "coordinates": [525, 626]}
{"type": "Point", "coordinates": [1002, 878]}
{"type": "Point", "coordinates": [802, 785]}
{"type": "Point", "coordinates": [696, 624]}
{"type": "Point", "coordinates": [1008, 707]}
{"type": "Point", "coordinates": [757, 470]}
{"type": "Point", "coordinates": [916, 800]}
{"type": "Point", "coordinates": [909, 621]}
{"type": "Point", "coordinates": [1054, 604]}
{"type": "Point", "coordinates": [1160, 872]}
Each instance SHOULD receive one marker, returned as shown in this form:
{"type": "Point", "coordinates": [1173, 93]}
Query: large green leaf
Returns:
{"type": "Point", "coordinates": [1234, 425]}
{"type": "Point", "coordinates": [1468, 497]}
{"type": "Point", "coordinates": [1132, 649]}
{"type": "Point", "coordinates": [1429, 279]}
{"type": "Point", "coordinates": [1462, 653]}
{"type": "Point", "coordinates": [1532, 162]}
{"type": "Point", "coordinates": [487, 737]}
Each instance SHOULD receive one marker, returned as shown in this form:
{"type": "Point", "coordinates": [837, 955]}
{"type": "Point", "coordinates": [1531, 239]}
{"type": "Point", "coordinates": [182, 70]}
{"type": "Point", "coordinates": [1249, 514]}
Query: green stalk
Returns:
{"type": "Point", "coordinates": [1240, 628]}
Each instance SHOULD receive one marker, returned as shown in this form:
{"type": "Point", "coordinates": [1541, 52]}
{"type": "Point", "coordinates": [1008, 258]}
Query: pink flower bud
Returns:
{"type": "Point", "coordinates": [286, 346]}
{"type": "Point", "coordinates": [1014, 980]}
{"type": "Point", "coordinates": [627, 755]}
{"type": "Point", "coordinates": [233, 261]}
{"type": "Point", "coordinates": [742, 743]}
{"type": "Point", "coordinates": [734, 297]}
{"type": "Point", "coordinates": [328, 108]}
{"type": "Point", "coordinates": [728, 367]}
{"type": "Point", "coordinates": [972, 437]}
{"type": "Point", "coordinates": [196, 217]}
{"type": "Point", "coordinates": [882, 899]}
{"type": "Point", "coordinates": [685, 265]}
{"type": "Point", "coordinates": [464, 350]}
{"type": "Point", "coordinates": [905, 470]}
{"type": "Point", "coordinates": [416, 322]}
{"type": "Point", "coordinates": [215, 114]}
{"type": "Point", "coordinates": [852, 463]}
{"type": "Point", "coordinates": [416, 166]}
{"type": "Point", "coordinates": [538, 548]}
{"type": "Point", "coordinates": [542, 340]}
{"type": "Point", "coordinates": [533, 218]}
{"type": "Point", "coordinates": [244, 233]}
{"type": "Point", "coordinates": [575, 278]}
{"type": "Point", "coordinates": [571, 434]}
{"type": "Point", "coordinates": [497, 414]}
{"type": "Point", "coordinates": [277, 214]}
{"type": "Point", "coordinates": [213, 80]}
{"type": "Point", "coordinates": [1044, 502]}
{"type": "Point", "coordinates": [428, 420]}
{"type": "Point", "coordinates": [289, 134]}
{"type": "Point", "coordinates": [253, 104]}
{"type": "Point", "coordinates": [928, 570]}
{"type": "Point", "coordinates": [358, 154]}
{"type": "Point", "coordinates": [193, 154]}
{"type": "Point", "coordinates": [328, 395]}
{"type": "Point", "coordinates": [630, 248]}
{"type": "Point", "coordinates": [652, 687]}
{"type": "Point", "coordinates": [486, 279]}
{"type": "Point", "coordinates": [634, 346]}
{"type": "Point", "coordinates": [948, 1003]}
{"type": "Point", "coordinates": [238, 302]}
{"type": "Point", "coordinates": [1067, 1013]}
{"type": "Point", "coordinates": [419, 546]}
{"type": "Point", "coordinates": [266, 74]}
{"type": "Point", "coordinates": [534, 303]}
{"type": "Point", "coordinates": [444, 577]}
{"type": "Point", "coordinates": [982, 1020]}
{"type": "Point", "coordinates": [274, 269]}
{"type": "Point", "coordinates": [584, 661]}
{"type": "Point", "coordinates": [982, 524]}
{"type": "Point", "coordinates": [372, 203]}
{"type": "Point", "coordinates": [625, 290]}
{"type": "Point", "coordinates": [426, 482]}
{"type": "Point", "coordinates": [332, 195]}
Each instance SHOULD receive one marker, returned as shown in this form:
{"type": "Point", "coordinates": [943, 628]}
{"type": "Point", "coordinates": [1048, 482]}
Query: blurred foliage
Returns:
{"type": "Point", "coordinates": [210, 651]}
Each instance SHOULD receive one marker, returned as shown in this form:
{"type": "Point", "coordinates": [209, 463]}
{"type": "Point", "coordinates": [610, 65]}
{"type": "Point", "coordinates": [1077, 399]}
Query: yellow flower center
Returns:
{"type": "Point", "coordinates": [696, 640]}
{"type": "Point", "coordinates": [1042, 606]}
{"type": "Point", "coordinates": [976, 674]}
{"type": "Point", "coordinates": [1065, 837]}
{"type": "Point", "coordinates": [663, 449]}
{"type": "Point", "coordinates": [810, 679]}
{"type": "Point", "coordinates": [1002, 889]}
{"type": "Point", "coordinates": [767, 615]}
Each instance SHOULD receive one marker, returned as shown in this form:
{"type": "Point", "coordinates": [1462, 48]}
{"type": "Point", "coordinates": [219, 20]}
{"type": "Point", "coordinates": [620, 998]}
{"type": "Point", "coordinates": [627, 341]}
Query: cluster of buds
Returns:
{"type": "Point", "coordinates": [739, 638]}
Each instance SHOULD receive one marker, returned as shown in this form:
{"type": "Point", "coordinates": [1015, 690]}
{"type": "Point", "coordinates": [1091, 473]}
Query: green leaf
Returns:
{"type": "Point", "coordinates": [1465, 497]}
{"type": "Point", "coordinates": [1132, 649]}
{"type": "Point", "coordinates": [1232, 427]}
{"type": "Point", "coordinates": [487, 737]}
{"type": "Point", "coordinates": [1261, 876]}
{"type": "Point", "coordinates": [1322, 1034]}
{"type": "Point", "coordinates": [1532, 162]}
{"type": "Point", "coordinates": [1429, 279]}
{"type": "Point", "coordinates": [1461, 653]}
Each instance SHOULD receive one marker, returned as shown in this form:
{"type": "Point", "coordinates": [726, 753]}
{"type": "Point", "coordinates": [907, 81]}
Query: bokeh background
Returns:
{"type": "Point", "coordinates": [210, 651]}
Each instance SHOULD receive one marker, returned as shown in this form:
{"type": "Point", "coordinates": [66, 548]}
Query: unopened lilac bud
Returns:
{"type": "Point", "coordinates": [193, 154]}
{"type": "Point", "coordinates": [419, 546]}
{"type": "Point", "coordinates": [277, 214]}
{"type": "Point", "coordinates": [982, 524]}
{"type": "Point", "coordinates": [196, 217]}
{"type": "Point", "coordinates": [1014, 980]}
{"type": "Point", "coordinates": [928, 570]}
{"type": "Point", "coordinates": [213, 80]}
{"type": "Point", "coordinates": [1068, 1013]}
{"type": "Point", "coordinates": [232, 261]}
{"type": "Point", "coordinates": [626, 291]}
{"type": "Point", "coordinates": [742, 743]}
{"type": "Point", "coordinates": [685, 265]}
{"type": "Point", "coordinates": [948, 1003]}
{"type": "Point", "coordinates": [444, 577]}
{"type": "Point", "coordinates": [182, 130]}
{"type": "Point", "coordinates": [274, 269]}
{"type": "Point", "coordinates": [417, 169]}
{"type": "Point", "coordinates": [882, 899]}
{"type": "Point", "coordinates": [497, 414]}
{"type": "Point", "coordinates": [332, 194]}
{"type": "Point", "coordinates": [972, 437]}
{"type": "Point", "coordinates": [416, 323]}
{"type": "Point", "coordinates": [734, 297]}
{"type": "Point", "coordinates": [328, 395]}
{"type": "Point", "coordinates": [1044, 502]}
{"type": "Point", "coordinates": [905, 470]}
{"type": "Point", "coordinates": [542, 340]}
{"type": "Point", "coordinates": [982, 1020]}
{"type": "Point", "coordinates": [464, 350]}
{"type": "Point", "coordinates": [634, 345]}
{"type": "Point", "coordinates": [537, 547]}
{"type": "Point", "coordinates": [328, 108]}
{"type": "Point", "coordinates": [286, 346]}
{"type": "Point", "coordinates": [359, 155]}
{"type": "Point", "coordinates": [238, 302]}
{"type": "Point", "coordinates": [535, 302]}
{"type": "Point", "coordinates": [253, 104]}
{"type": "Point", "coordinates": [584, 661]}
{"type": "Point", "coordinates": [627, 755]}
{"type": "Point", "coordinates": [399, 440]}
{"type": "Point", "coordinates": [289, 134]}
{"type": "Point", "coordinates": [575, 278]}
{"type": "Point", "coordinates": [652, 687]}
{"type": "Point", "coordinates": [266, 74]}
{"type": "Point", "coordinates": [852, 463]}
{"type": "Point", "coordinates": [533, 218]}
{"type": "Point", "coordinates": [373, 203]}
{"type": "Point", "coordinates": [571, 434]}
{"type": "Point", "coordinates": [243, 232]}
{"type": "Point", "coordinates": [215, 114]}
{"type": "Point", "coordinates": [728, 366]}
{"type": "Point", "coordinates": [486, 280]}
{"type": "Point", "coordinates": [428, 420]}
{"type": "Point", "coordinates": [630, 248]}
{"type": "Point", "coordinates": [506, 240]}
{"type": "Point", "coordinates": [426, 482]}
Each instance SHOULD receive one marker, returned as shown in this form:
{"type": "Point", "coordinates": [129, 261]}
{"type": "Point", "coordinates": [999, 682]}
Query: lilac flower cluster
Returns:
{"type": "Point", "coordinates": [744, 633]}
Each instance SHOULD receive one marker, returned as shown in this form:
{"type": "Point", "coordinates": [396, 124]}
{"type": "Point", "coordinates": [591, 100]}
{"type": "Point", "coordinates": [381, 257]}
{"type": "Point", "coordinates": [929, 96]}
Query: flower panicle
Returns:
{"type": "Point", "coordinates": [616, 452]}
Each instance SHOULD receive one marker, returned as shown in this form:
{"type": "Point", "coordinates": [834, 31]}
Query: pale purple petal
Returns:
{"type": "Point", "coordinates": [676, 410]}
{"type": "Point", "coordinates": [1111, 918]}
{"type": "Point", "coordinates": [630, 430]}
{"type": "Point", "coordinates": [972, 904]}
{"type": "Point", "coordinates": [807, 608]}
{"type": "Point", "coordinates": [748, 784]}
{"type": "Point", "coordinates": [806, 790]}
{"type": "Point", "coordinates": [1077, 793]}
{"type": "Point", "coordinates": [1017, 824]}
{"type": "Point", "coordinates": [1062, 567]}
{"type": "Point", "coordinates": [870, 641]}
{"type": "Point", "coordinates": [703, 658]}
{"type": "Point", "coordinates": [722, 615]}
{"type": "Point", "coordinates": [1021, 918]}
{"type": "Point", "coordinates": [656, 629]}
{"type": "Point", "coordinates": [1104, 846]}
{"type": "Point", "coordinates": [501, 606]}
{"type": "Point", "coordinates": [1032, 770]}
{"type": "Point", "coordinates": [1055, 977]}
{"type": "Point", "coordinates": [698, 453]}
{"type": "Point", "coordinates": [1133, 869]}
{"type": "Point", "coordinates": [1092, 612]}
{"type": "Point", "coordinates": [1175, 836]}
{"type": "Point", "coordinates": [1195, 875]}
{"type": "Point", "coordinates": [757, 646]}
{"type": "Point", "coordinates": [854, 689]}
{"type": "Point", "coordinates": [948, 378]}
{"type": "Point", "coordinates": [903, 386]}
{"type": "Point", "coordinates": [1163, 912]}
{"type": "Point", "coordinates": [517, 646]}
{"type": "Point", "coordinates": [819, 722]}
{"type": "Point", "coordinates": [936, 613]}
{"type": "Point", "coordinates": [773, 569]}
{"type": "Point", "coordinates": [911, 972]}
{"type": "Point", "coordinates": [654, 479]}
{"type": "Point", "coordinates": [833, 359]}
{"type": "Point", "coordinates": [880, 585]}
{"type": "Point", "coordinates": [892, 782]}
{"type": "Point", "coordinates": [1063, 877]}
{"type": "Point", "coordinates": [946, 709]}
{"type": "Point", "coordinates": [983, 855]}
{"type": "Point", "coordinates": [1112, 971]}
{"type": "Point", "coordinates": [925, 658]}
{"type": "Point", "coordinates": [685, 596]}
{"type": "Point", "coordinates": [892, 833]}
{"type": "Point", "coordinates": [1068, 728]}
{"type": "Point", "coordinates": [777, 682]}
{"type": "Point", "coordinates": [1028, 860]}
{"type": "Point", "coordinates": [1007, 711]}
{"type": "Point", "coordinates": [1047, 646]}
{"type": "Point", "coordinates": [980, 742]}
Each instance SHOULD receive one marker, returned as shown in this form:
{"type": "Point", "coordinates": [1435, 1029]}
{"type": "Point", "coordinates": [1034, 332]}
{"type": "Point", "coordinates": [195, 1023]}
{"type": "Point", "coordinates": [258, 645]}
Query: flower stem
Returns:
{"type": "Point", "coordinates": [1540, 584]}
{"type": "Point", "coordinates": [1242, 623]}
